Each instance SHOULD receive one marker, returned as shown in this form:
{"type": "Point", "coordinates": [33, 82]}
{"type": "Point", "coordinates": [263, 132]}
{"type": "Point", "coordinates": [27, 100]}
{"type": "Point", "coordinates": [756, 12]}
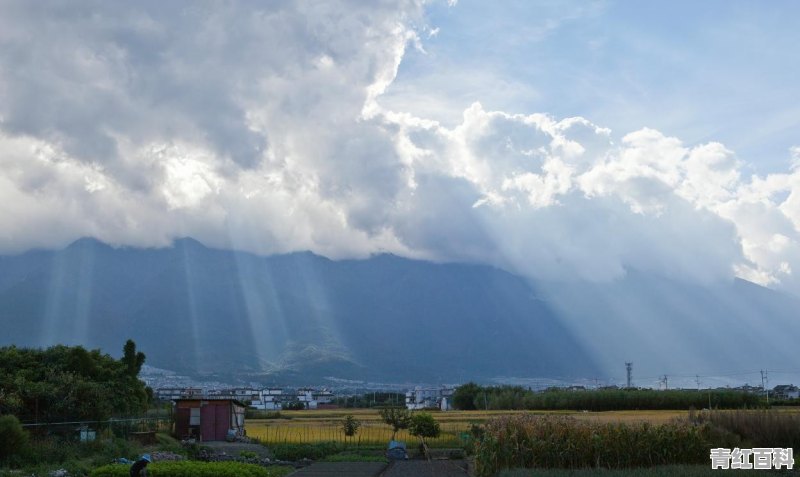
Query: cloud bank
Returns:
{"type": "Point", "coordinates": [260, 127]}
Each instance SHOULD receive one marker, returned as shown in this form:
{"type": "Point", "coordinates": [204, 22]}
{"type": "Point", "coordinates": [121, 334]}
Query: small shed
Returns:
{"type": "Point", "coordinates": [209, 419]}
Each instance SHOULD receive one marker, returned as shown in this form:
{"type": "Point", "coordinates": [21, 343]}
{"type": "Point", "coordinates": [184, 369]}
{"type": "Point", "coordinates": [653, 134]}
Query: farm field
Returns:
{"type": "Point", "coordinates": [325, 425]}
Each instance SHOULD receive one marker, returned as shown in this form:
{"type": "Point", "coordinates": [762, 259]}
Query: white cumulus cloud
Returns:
{"type": "Point", "coordinates": [260, 127]}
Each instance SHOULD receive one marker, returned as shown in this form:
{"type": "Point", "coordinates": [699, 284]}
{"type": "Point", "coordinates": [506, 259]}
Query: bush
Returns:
{"type": "Point", "coordinates": [193, 469]}
{"type": "Point", "coordinates": [350, 425]}
{"type": "Point", "coordinates": [13, 439]}
{"type": "Point", "coordinates": [169, 443]}
{"type": "Point", "coordinates": [397, 417]}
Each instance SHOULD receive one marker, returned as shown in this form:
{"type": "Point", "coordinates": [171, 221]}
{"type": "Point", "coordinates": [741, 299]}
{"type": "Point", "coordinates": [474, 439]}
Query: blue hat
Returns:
{"type": "Point", "coordinates": [147, 458]}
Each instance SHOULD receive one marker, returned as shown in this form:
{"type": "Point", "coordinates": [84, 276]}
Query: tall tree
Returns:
{"type": "Point", "coordinates": [464, 396]}
{"type": "Point", "coordinates": [132, 359]}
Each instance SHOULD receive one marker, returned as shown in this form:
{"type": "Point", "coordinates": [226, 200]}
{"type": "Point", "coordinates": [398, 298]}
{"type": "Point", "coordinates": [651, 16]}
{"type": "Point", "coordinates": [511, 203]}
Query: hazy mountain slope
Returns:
{"type": "Point", "coordinates": [196, 309]}
{"type": "Point", "coordinates": [301, 317]}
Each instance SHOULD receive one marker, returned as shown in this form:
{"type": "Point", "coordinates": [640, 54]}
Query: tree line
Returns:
{"type": "Point", "coordinates": [472, 396]}
{"type": "Point", "coordinates": [66, 383]}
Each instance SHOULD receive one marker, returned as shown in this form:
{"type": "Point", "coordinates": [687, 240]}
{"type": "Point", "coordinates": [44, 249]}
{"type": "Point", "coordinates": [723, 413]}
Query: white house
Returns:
{"type": "Point", "coordinates": [430, 398]}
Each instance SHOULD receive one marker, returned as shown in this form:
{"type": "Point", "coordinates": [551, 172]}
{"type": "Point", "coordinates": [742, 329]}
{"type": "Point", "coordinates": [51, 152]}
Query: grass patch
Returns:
{"type": "Point", "coordinates": [354, 457]}
{"type": "Point", "coordinates": [294, 452]}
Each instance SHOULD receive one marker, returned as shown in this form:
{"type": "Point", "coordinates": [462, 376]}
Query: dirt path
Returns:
{"type": "Point", "coordinates": [341, 469]}
{"type": "Point", "coordinates": [424, 468]}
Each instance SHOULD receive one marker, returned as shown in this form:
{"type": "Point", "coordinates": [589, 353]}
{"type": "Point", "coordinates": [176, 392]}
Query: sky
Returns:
{"type": "Point", "coordinates": [558, 140]}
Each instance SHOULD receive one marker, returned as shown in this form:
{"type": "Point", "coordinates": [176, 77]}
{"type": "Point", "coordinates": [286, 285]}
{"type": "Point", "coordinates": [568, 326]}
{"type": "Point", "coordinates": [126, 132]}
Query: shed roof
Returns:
{"type": "Point", "coordinates": [211, 398]}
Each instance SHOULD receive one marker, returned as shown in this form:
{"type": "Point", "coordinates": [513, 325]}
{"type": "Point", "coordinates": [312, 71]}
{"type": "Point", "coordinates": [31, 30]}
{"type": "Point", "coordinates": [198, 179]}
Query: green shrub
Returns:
{"type": "Point", "coordinates": [13, 440]}
{"type": "Point", "coordinates": [350, 425]}
{"type": "Point", "coordinates": [193, 469]}
{"type": "Point", "coordinates": [423, 425]}
{"type": "Point", "coordinates": [169, 443]}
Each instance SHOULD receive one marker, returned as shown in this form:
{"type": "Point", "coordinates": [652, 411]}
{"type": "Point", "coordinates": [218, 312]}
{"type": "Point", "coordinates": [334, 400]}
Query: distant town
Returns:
{"type": "Point", "coordinates": [171, 387]}
{"type": "Point", "coordinates": [277, 399]}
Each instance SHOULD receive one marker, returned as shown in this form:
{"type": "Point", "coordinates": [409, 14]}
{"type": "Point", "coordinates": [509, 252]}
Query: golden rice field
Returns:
{"type": "Point", "coordinates": [325, 425]}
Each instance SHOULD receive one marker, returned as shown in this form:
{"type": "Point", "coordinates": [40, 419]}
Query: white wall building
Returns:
{"type": "Point", "coordinates": [430, 398]}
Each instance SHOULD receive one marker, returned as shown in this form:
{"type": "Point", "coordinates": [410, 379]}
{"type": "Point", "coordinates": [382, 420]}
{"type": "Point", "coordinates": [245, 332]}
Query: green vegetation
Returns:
{"type": "Point", "coordinates": [327, 451]}
{"type": "Point", "coordinates": [396, 417]}
{"type": "Point", "coordinates": [423, 425]}
{"type": "Point", "coordinates": [45, 454]}
{"type": "Point", "coordinates": [317, 451]}
{"type": "Point", "coordinates": [356, 457]}
{"type": "Point", "coordinates": [257, 414]}
{"type": "Point", "coordinates": [195, 469]}
{"type": "Point", "coordinates": [246, 454]}
{"type": "Point", "coordinates": [465, 395]}
{"type": "Point", "coordinates": [64, 383]}
{"type": "Point", "coordinates": [68, 384]}
{"type": "Point", "coordinates": [13, 439]}
{"type": "Point", "coordinates": [350, 426]}
{"type": "Point", "coordinates": [472, 396]}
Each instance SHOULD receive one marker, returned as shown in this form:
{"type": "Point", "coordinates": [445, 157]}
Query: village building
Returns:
{"type": "Point", "coordinates": [430, 398]}
{"type": "Point", "coordinates": [266, 399]}
{"type": "Point", "coordinates": [312, 398]}
{"type": "Point", "coordinates": [209, 418]}
{"type": "Point", "coordinates": [171, 394]}
{"type": "Point", "coordinates": [786, 391]}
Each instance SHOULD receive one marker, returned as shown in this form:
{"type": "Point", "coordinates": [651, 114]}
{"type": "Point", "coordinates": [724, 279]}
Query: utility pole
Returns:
{"type": "Point", "coordinates": [765, 383]}
{"type": "Point", "coordinates": [629, 370]}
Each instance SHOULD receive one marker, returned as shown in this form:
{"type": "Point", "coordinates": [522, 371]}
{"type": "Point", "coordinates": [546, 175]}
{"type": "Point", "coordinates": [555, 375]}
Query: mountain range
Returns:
{"type": "Point", "coordinates": [303, 318]}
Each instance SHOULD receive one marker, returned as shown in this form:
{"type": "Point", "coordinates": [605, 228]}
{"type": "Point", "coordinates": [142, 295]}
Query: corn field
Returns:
{"type": "Point", "coordinates": [531, 441]}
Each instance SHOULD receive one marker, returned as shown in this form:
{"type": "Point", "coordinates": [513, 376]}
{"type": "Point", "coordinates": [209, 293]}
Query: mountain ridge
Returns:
{"type": "Point", "coordinates": [300, 316]}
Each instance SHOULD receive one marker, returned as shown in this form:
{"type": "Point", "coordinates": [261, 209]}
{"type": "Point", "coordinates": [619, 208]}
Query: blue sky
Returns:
{"type": "Point", "coordinates": [714, 70]}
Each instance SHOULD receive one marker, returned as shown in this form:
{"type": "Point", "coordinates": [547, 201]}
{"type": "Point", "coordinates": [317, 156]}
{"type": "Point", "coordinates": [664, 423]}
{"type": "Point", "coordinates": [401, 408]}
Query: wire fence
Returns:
{"type": "Point", "coordinates": [141, 428]}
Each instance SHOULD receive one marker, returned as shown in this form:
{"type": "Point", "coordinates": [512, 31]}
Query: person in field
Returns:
{"type": "Point", "coordinates": [139, 468]}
